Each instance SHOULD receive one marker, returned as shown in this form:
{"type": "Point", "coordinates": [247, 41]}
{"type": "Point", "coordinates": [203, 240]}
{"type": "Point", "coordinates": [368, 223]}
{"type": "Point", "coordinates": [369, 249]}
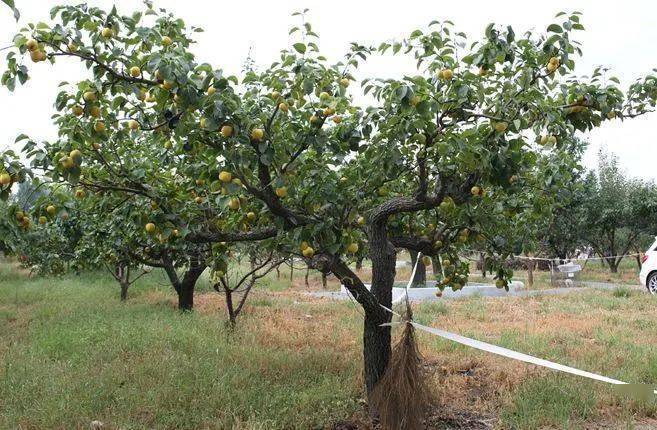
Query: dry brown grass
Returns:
{"type": "Point", "coordinates": [471, 386]}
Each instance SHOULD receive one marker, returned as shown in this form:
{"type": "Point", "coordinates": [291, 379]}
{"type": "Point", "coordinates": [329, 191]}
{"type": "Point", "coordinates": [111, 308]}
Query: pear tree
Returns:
{"type": "Point", "coordinates": [443, 158]}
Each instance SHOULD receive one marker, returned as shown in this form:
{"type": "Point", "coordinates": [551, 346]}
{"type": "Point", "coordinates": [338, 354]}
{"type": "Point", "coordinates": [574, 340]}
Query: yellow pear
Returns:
{"type": "Point", "coordinates": [107, 32]}
{"type": "Point", "coordinates": [67, 162]}
{"type": "Point", "coordinates": [226, 131]}
{"type": "Point", "coordinates": [31, 45]}
{"type": "Point", "coordinates": [5, 179]}
{"type": "Point", "coordinates": [257, 134]}
{"type": "Point", "coordinates": [89, 96]}
{"type": "Point", "coordinates": [234, 203]}
{"type": "Point", "coordinates": [225, 176]}
{"type": "Point", "coordinates": [501, 126]}
{"type": "Point", "coordinates": [76, 156]}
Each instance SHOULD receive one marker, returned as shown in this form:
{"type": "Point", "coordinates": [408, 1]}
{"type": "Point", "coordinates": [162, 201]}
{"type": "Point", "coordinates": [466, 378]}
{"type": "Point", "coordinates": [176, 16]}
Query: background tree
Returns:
{"type": "Point", "coordinates": [616, 210]}
{"type": "Point", "coordinates": [235, 281]}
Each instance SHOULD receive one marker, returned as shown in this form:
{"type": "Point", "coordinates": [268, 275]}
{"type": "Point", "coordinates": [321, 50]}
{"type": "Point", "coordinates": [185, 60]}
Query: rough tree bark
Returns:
{"type": "Point", "coordinates": [185, 287]}
{"type": "Point", "coordinates": [376, 339]}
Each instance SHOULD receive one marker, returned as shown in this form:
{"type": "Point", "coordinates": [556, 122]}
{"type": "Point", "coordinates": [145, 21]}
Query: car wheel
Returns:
{"type": "Point", "coordinates": [651, 283]}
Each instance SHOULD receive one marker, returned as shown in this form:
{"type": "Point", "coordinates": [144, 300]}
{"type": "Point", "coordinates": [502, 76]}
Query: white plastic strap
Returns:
{"type": "Point", "coordinates": [504, 352]}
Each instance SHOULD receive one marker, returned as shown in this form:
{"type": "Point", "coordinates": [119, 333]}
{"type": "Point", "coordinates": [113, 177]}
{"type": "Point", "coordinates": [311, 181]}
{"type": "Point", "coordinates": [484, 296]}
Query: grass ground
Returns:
{"type": "Point", "coordinates": [71, 353]}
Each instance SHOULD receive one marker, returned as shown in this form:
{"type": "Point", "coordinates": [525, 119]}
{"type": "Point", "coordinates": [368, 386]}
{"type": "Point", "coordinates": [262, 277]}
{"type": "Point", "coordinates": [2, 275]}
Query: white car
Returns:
{"type": "Point", "coordinates": [648, 275]}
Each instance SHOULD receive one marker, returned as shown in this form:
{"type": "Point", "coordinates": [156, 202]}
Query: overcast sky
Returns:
{"type": "Point", "coordinates": [621, 35]}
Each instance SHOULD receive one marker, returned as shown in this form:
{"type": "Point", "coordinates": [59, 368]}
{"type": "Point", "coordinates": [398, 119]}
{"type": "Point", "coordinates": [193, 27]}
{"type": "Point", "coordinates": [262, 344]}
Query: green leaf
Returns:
{"type": "Point", "coordinates": [555, 28]}
{"type": "Point", "coordinates": [300, 47]}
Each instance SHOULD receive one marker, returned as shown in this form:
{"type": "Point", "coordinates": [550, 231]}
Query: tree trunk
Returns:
{"type": "Point", "coordinates": [229, 306]}
{"type": "Point", "coordinates": [613, 264]}
{"type": "Point", "coordinates": [530, 273]}
{"type": "Point", "coordinates": [186, 296]}
{"type": "Point", "coordinates": [305, 279]}
{"type": "Point", "coordinates": [436, 269]}
{"type": "Point", "coordinates": [376, 339]}
{"type": "Point", "coordinates": [638, 260]}
{"type": "Point", "coordinates": [124, 291]}
{"type": "Point", "coordinates": [291, 270]}
{"type": "Point", "coordinates": [359, 263]}
{"type": "Point", "coordinates": [188, 283]}
{"type": "Point", "coordinates": [420, 278]}
{"type": "Point", "coordinates": [324, 281]}
{"type": "Point", "coordinates": [482, 261]}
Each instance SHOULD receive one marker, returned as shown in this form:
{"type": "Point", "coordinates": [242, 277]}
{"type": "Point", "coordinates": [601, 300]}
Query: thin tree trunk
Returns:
{"type": "Point", "coordinates": [435, 268]}
{"type": "Point", "coordinates": [291, 270]}
{"type": "Point", "coordinates": [359, 263]}
{"type": "Point", "coordinates": [306, 277]}
{"type": "Point", "coordinates": [482, 261]}
{"type": "Point", "coordinates": [420, 278]}
{"type": "Point", "coordinates": [124, 291]}
{"type": "Point", "coordinates": [324, 280]}
{"type": "Point", "coordinates": [530, 273]}
{"type": "Point", "coordinates": [229, 306]}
